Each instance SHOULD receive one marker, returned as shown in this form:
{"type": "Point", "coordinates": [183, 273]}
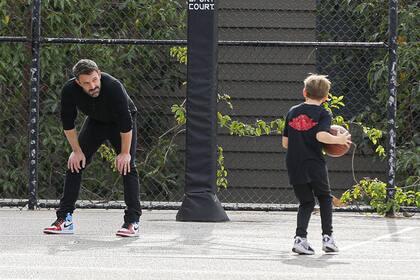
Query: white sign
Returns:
{"type": "Point", "coordinates": [201, 5]}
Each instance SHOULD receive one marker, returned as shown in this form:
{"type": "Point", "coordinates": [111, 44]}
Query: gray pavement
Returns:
{"type": "Point", "coordinates": [253, 245]}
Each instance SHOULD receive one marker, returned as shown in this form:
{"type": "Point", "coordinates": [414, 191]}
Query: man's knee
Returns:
{"type": "Point", "coordinates": [133, 166]}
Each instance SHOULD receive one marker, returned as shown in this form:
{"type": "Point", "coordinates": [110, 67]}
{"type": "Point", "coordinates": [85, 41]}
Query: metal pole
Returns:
{"type": "Point", "coordinates": [34, 104]}
{"type": "Point", "coordinates": [392, 101]}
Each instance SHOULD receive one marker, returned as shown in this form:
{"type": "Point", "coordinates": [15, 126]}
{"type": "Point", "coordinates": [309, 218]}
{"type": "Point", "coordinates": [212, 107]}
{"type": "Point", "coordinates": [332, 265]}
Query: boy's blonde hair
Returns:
{"type": "Point", "coordinates": [317, 86]}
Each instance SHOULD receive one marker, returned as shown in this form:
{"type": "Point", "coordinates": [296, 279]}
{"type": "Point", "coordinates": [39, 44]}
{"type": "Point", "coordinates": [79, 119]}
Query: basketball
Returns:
{"type": "Point", "coordinates": [336, 150]}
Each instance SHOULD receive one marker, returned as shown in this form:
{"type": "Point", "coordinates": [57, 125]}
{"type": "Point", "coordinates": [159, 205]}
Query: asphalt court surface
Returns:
{"type": "Point", "coordinates": [253, 245]}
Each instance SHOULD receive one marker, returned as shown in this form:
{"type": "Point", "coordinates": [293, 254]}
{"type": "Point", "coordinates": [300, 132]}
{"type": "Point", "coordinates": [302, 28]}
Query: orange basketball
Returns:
{"type": "Point", "coordinates": [336, 150]}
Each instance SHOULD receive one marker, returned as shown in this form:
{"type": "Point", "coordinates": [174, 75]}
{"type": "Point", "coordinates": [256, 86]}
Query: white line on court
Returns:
{"type": "Point", "coordinates": [358, 244]}
{"type": "Point", "coordinates": [196, 272]}
{"type": "Point", "coordinates": [256, 257]}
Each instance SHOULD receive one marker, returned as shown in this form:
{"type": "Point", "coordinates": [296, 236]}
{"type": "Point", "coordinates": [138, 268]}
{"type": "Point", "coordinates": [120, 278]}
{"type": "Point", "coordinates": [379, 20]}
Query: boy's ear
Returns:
{"type": "Point", "coordinates": [304, 93]}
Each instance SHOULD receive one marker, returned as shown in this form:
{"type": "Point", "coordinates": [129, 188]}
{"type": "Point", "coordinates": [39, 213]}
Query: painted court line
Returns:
{"type": "Point", "coordinates": [244, 257]}
{"type": "Point", "coordinates": [386, 236]}
{"type": "Point", "coordinates": [196, 272]}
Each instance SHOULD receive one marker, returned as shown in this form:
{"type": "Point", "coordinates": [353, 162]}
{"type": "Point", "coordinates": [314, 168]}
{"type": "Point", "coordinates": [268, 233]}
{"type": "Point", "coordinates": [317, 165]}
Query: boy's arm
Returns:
{"type": "Point", "coordinates": [285, 142]}
{"type": "Point", "coordinates": [328, 138]}
{"type": "Point", "coordinates": [285, 137]}
{"type": "Point", "coordinates": [325, 137]}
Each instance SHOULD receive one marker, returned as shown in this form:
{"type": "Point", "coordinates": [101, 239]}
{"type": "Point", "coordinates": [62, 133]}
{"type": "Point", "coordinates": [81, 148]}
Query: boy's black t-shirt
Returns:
{"type": "Point", "coordinates": [113, 105]}
{"type": "Point", "coordinates": [304, 160]}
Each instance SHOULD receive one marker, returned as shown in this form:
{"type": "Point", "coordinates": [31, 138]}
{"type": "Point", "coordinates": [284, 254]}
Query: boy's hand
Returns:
{"type": "Point", "coordinates": [285, 142]}
{"type": "Point", "coordinates": [344, 138]}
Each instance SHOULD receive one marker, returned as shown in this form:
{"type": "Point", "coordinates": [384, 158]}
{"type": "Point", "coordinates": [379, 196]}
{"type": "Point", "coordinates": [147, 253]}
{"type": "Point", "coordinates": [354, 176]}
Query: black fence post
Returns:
{"type": "Point", "coordinates": [34, 104]}
{"type": "Point", "coordinates": [392, 101]}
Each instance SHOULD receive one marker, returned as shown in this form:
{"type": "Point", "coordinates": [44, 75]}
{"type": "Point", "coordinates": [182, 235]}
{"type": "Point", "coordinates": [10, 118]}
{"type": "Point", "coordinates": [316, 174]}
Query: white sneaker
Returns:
{"type": "Point", "coordinates": [302, 247]}
{"type": "Point", "coordinates": [129, 230]}
{"type": "Point", "coordinates": [328, 244]}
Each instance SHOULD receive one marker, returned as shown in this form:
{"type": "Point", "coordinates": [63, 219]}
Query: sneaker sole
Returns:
{"type": "Point", "coordinates": [294, 250]}
{"type": "Point", "coordinates": [57, 232]}
{"type": "Point", "coordinates": [329, 250]}
{"type": "Point", "coordinates": [126, 234]}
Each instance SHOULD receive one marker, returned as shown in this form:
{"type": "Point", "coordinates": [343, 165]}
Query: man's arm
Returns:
{"type": "Point", "coordinates": [124, 158]}
{"type": "Point", "coordinates": [71, 136]}
{"type": "Point", "coordinates": [68, 110]}
{"type": "Point", "coordinates": [120, 110]}
{"type": "Point", "coordinates": [77, 155]}
{"type": "Point", "coordinates": [126, 142]}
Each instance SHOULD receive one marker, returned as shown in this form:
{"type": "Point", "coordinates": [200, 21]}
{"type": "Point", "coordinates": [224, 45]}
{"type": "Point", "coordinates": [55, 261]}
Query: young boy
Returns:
{"type": "Point", "coordinates": [306, 129]}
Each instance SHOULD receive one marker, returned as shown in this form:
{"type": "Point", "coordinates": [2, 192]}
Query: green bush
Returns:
{"type": "Point", "coordinates": [368, 21]}
{"type": "Point", "coordinates": [374, 193]}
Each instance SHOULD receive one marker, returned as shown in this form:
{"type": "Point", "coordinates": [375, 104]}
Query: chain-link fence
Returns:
{"type": "Point", "coordinates": [155, 20]}
{"type": "Point", "coordinates": [14, 80]}
{"type": "Point", "coordinates": [265, 81]}
{"type": "Point", "coordinates": [368, 99]}
{"type": "Point", "coordinates": [14, 77]}
{"type": "Point", "coordinates": [262, 79]}
{"type": "Point", "coordinates": [153, 79]}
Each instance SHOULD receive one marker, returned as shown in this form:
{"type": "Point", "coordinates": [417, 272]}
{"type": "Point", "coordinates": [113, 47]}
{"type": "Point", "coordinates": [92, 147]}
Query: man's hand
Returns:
{"type": "Point", "coordinates": [123, 163]}
{"type": "Point", "coordinates": [74, 161]}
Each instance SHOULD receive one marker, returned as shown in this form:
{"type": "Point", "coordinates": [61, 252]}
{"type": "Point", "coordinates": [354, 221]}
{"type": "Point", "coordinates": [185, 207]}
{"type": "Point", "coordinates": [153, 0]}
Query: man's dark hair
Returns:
{"type": "Point", "coordinates": [84, 67]}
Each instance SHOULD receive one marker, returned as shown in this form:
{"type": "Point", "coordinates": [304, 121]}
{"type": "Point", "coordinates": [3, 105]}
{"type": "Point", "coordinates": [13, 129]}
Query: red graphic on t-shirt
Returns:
{"type": "Point", "coordinates": [302, 123]}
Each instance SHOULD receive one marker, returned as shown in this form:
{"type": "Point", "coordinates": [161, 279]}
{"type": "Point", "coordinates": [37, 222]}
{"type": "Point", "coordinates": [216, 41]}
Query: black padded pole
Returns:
{"type": "Point", "coordinates": [200, 203]}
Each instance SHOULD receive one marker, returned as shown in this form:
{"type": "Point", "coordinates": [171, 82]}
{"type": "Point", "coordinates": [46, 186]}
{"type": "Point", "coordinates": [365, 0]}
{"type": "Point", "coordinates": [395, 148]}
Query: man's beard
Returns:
{"type": "Point", "coordinates": [94, 92]}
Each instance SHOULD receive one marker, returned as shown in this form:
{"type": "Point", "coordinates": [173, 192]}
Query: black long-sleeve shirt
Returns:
{"type": "Point", "coordinates": [113, 105]}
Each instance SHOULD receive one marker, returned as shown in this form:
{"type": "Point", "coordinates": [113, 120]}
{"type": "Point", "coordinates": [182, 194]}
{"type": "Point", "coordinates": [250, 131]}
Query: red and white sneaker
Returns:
{"type": "Point", "coordinates": [61, 226]}
{"type": "Point", "coordinates": [129, 230]}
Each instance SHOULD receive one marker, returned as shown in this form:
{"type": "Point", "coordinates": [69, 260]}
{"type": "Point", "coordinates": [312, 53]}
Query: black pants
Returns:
{"type": "Point", "coordinates": [305, 194]}
{"type": "Point", "coordinates": [92, 135]}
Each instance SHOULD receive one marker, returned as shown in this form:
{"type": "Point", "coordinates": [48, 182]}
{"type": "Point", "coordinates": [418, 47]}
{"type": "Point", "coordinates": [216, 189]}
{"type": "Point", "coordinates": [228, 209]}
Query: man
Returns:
{"type": "Point", "coordinates": [111, 115]}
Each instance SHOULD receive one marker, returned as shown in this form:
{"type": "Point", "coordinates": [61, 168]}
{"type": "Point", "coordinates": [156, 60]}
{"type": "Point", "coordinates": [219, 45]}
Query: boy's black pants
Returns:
{"type": "Point", "coordinates": [305, 194]}
{"type": "Point", "coordinates": [91, 136]}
